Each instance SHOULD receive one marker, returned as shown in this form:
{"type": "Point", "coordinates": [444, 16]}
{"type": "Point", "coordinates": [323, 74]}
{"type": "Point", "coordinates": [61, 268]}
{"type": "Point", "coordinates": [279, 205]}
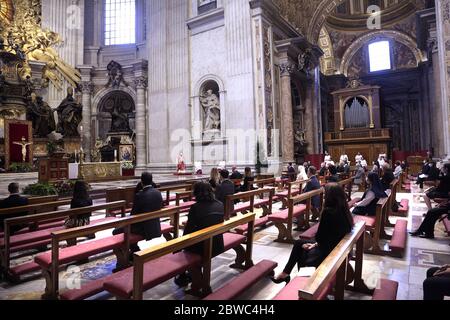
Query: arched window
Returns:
{"type": "Point", "coordinates": [380, 56]}
{"type": "Point", "coordinates": [120, 22]}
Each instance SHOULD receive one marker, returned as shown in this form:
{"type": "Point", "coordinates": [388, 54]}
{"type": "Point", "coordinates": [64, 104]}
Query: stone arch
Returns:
{"type": "Point", "coordinates": [327, 61]}
{"type": "Point", "coordinates": [379, 34]}
{"type": "Point", "coordinates": [103, 118]}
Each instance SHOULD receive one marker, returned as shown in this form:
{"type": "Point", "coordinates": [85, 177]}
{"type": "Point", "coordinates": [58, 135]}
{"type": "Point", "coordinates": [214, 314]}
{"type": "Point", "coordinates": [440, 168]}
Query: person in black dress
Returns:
{"type": "Point", "coordinates": [336, 221]}
{"type": "Point", "coordinates": [248, 180]}
{"type": "Point", "coordinates": [333, 177]}
{"type": "Point", "coordinates": [388, 177]}
{"type": "Point", "coordinates": [442, 190]}
{"type": "Point", "coordinates": [368, 204]}
{"type": "Point", "coordinates": [206, 212]}
{"type": "Point", "coordinates": [14, 200]}
{"type": "Point", "coordinates": [80, 199]}
{"type": "Point", "coordinates": [426, 229]}
{"type": "Point", "coordinates": [437, 284]}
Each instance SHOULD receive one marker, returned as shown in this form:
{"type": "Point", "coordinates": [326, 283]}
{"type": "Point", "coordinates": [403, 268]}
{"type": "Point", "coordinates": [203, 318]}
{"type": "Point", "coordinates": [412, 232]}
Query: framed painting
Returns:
{"type": "Point", "coordinates": [126, 152]}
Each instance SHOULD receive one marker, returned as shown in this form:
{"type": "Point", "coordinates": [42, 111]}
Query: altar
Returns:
{"type": "Point", "coordinates": [99, 171]}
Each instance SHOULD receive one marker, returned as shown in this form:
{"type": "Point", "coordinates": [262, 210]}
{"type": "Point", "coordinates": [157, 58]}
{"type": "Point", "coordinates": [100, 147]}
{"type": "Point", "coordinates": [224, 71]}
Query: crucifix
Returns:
{"type": "Point", "coordinates": [24, 144]}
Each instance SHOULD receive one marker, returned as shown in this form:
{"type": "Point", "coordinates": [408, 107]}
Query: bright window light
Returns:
{"type": "Point", "coordinates": [120, 22]}
{"type": "Point", "coordinates": [380, 56]}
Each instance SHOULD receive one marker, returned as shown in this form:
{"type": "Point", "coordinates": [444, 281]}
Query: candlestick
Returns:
{"type": "Point", "coordinates": [115, 155]}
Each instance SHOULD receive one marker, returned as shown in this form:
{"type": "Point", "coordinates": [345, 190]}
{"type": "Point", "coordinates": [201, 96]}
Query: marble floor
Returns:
{"type": "Point", "coordinates": [409, 271]}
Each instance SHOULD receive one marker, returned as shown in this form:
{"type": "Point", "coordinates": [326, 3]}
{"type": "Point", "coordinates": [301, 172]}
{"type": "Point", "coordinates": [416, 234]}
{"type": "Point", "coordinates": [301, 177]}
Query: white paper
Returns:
{"type": "Point", "coordinates": [306, 272]}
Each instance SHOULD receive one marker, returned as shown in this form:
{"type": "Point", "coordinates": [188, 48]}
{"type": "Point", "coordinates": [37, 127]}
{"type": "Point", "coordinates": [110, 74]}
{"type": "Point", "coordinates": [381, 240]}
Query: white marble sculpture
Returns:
{"type": "Point", "coordinates": [211, 106]}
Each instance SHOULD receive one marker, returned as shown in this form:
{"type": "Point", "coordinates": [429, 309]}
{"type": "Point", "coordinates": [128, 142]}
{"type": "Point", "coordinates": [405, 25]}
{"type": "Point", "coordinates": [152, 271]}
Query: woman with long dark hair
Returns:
{"type": "Point", "coordinates": [248, 180]}
{"type": "Point", "coordinates": [206, 212]}
{"type": "Point", "coordinates": [368, 204]}
{"type": "Point", "coordinates": [336, 221]}
{"type": "Point", "coordinates": [80, 199]}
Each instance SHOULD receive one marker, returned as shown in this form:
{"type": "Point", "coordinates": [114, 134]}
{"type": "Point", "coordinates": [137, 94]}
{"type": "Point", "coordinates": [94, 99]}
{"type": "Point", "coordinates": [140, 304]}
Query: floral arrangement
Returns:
{"type": "Point", "coordinates": [40, 189]}
{"type": "Point", "coordinates": [20, 167]}
{"type": "Point", "coordinates": [127, 165]}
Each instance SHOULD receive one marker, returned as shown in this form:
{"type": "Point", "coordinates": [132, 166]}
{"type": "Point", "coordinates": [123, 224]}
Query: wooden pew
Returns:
{"type": "Point", "coordinates": [249, 204]}
{"type": "Point", "coordinates": [292, 189]}
{"type": "Point", "coordinates": [118, 194]}
{"type": "Point", "coordinates": [376, 227]}
{"type": "Point", "coordinates": [335, 274]}
{"type": "Point", "coordinates": [283, 219]}
{"type": "Point", "coordinates": [35, 209]}
{"type": "Point", "coordinates": [347, 185]}
{"type": "Point", "coordinates": [178, 187]}
{"type": "Point", "coordinates": [146, 272]}
{"type": "Point", "coordinates": [36, 239]}
{"type": "Point", "coordinates": [51, 261]}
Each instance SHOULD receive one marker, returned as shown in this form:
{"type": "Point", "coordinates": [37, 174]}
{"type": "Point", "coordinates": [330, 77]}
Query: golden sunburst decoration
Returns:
{"type": "Point", "coordinates": [6, 11]}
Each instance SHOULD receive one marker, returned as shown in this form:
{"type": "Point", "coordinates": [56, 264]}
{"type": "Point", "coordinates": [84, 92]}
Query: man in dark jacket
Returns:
{"type": "Point", "coordinates": [226, 188]}
{"type": "Point", "coordinates": [146, 201]}
{"type": "Point", "coordinates": [14, 200]}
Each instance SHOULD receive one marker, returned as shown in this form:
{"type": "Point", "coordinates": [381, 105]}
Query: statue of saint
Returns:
{"type": "Point", "coordinates": [41, 115]}
{"type": "Point", "coordinates": [69, 116]}
{"type": "Point", "coordinates": [211, 106]}
{"type": "Point", "coordinates": [24, 144]}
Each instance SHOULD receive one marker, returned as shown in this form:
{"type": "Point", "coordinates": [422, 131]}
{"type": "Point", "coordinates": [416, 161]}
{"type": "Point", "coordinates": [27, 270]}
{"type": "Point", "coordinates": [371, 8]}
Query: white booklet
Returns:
{"type": "Point", "coordinates": [306, 272]}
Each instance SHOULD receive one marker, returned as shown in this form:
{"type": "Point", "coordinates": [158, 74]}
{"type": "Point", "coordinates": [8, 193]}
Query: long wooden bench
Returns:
{"type": "Point", "coordinates": [333, 276]}
{"type": "Point", "coordinates": [36, 239]}
{"type": "Point", "coordinates": [284, 219]}
{"type": "Point", "coordinates": [252, 199]}
{"type": "Point", "coordinates": [292, 189]}
{"type": "Point", "coordinates": [376, 227]}
{"type": "Point", "coordinates": [168, 189]}
{"type": "Point", "coordinates": [158, 264]}
{"type": "Point", "coordinates": [35, 209]}
{"type": "Point", "coordinates": [118, 194]}
{"type": "Point", "coordinates": [51, 261]}
{"type": "Point", "coordinates": [244, 281]}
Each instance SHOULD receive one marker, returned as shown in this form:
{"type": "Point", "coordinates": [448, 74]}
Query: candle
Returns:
{"type": "Point", "coordinates": [115, 155]}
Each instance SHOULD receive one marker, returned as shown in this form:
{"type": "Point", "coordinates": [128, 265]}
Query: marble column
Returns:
{"type": "Point", "coordinates": [86, 134]}
{"type": "Point", "coordinates": [309, 116]}
{"type": "Point", "coordinates": [287, 118]}
{"type": "Point", "coordinates": [141, 144]}
{"type": "Point", "coordinates": [443, 38]}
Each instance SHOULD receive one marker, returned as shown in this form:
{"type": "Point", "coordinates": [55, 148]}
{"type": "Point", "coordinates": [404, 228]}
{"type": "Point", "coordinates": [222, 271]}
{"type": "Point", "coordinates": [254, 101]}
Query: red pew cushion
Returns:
{"type": "Point", "coordinates": [282, 216]}
{"type": "Point", "coordinates": [290, 291]}
{"type": "Point", "coordinates": [387, 290]}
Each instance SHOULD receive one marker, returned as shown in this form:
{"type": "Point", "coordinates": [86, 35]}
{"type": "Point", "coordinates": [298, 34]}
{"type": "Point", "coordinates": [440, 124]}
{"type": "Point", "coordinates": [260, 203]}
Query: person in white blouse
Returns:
{"type": "Point", "coordinates": [302, 176]}
{"type": "Point", "coordinates": [358, 157]}
{"type": "Point", "coordinates": [344, 158]}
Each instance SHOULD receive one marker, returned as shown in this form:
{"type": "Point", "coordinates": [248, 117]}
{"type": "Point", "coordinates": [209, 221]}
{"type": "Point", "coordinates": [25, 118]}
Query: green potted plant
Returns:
{"type": "Point", "coordinates": [127, 169]}
{"type": "Point", "coordinates": [40, 190]}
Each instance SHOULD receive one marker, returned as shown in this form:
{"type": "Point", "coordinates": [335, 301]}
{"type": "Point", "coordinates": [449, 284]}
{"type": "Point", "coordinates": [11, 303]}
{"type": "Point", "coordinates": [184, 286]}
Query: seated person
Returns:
{"type": "Point", "coordinates": [340, 168]}
{"type": "Point", "coordinates": [206, 212]}
{"type": "Point", "coordinates": [368, 204]}
{"type": "Point", "coordinates": [429, 173]}
{"type": "Point", "coordinates": [335, 222]}
{"type": "Point", "coordinates": [292, 174]}
{"type": "Point", "coordinates": [442, 190]}
{"type": "Point", "coordinates": [147, 200]}
{"type": "Point", "coordinates": [333, 177]}
{"type": "Point", "coordinates": [80, 199]}
{"type": "Point", "coordinates": [248, 180]}
{"type": "Point", "coordinates": [387, 176]}
{"type": "Point", "coordinates": [346, 167]}
{"type": "Point", "coordinates": [235, 174]}
{"type": "Point", "coordinates": [214, 178]}
{"type": "Point", "coordinates": [14, 200]}
{"type": "Point", "coordinates": [313, 184]}
{"type": "Point", "coordinates": [426, 229]}
{"type": "Point", "coordinates": [437, 284]}
{"type": "Point", "coordinates": [225, 188]}
{"type": "Point", "coordinates": [323, 170]}
{"type": "Point", "coordinates": [398, 170]}
{"type": "Point", "coordinates": [359, 174]}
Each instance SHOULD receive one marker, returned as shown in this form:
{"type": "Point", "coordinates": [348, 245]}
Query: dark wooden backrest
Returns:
{"type": "Point", "coordinates": [177, 187]}
{"type": "Point", "coordinates": [206, 235]}
{"type": "Point", "coordinates": [46, 199]}
{"type": "Point", "coordinates": [292, 186]}
{"type": "Point", "coordinates": [31, 209]}
{"type": "Point", "coordinates": [347, 185]}
{"type": "Point", "coordinates": [261, 183]}
{"type": "Point", "coordinates": [333, 263]}
{"type": "Point", "coordinates": [246, 196]}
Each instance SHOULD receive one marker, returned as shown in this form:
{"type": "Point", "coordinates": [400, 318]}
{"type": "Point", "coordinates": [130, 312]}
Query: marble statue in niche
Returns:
{"type": "Point", "coordinates": [210, 103]}
{"type": "Point", "coordinates": [69, 116]}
